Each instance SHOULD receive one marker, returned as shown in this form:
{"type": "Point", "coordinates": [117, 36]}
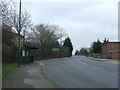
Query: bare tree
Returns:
{"type": "Point", "coordinates": [6, 12]}
{"type": "Point", "coordinates": [25, 21]}
{"type": "Point", "coordinates": [45, 35]}
{"type": "Point", "coordinates": [10, 16]}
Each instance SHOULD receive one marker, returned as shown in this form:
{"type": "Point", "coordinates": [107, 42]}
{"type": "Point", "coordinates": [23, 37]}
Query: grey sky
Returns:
{"type": "Point", "coordinates": [84, 22]}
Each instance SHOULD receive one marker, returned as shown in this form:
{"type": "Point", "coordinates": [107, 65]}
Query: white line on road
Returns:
{"type": "Point", "coordinates": [82, 62]}
{"type": "Point", "coordinates": [97, 67]}
{"type": "Point", "coordinates": [79, 61]}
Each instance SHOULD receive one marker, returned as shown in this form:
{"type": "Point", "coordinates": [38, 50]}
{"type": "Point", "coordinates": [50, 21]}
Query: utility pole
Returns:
{"type": "Point", "coordinates": [19, 54]}
{"type": "Point", "coordinates": [24, 51]}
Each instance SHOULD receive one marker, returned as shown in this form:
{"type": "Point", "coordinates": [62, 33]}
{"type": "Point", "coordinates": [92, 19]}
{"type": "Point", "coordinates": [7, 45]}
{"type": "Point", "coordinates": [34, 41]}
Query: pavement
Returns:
{"type": "Point", "coordinates": [82, 72]}
{"type": "Point", "coordinates": [28, 76]}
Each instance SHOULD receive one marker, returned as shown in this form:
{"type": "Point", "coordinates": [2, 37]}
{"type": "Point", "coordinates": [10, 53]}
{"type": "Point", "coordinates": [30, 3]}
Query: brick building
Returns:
{"type": "Point", "coordinates": [111, 50]}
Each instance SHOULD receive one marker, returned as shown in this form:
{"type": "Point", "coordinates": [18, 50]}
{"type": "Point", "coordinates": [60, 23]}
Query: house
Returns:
{"type": "Point", "coordinates": [111, 50]}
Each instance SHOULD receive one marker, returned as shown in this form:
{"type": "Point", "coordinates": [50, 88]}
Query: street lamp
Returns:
{"type": "Point", "coordinates": [19, 34]}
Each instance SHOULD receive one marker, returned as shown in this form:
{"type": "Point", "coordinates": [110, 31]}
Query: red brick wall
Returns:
{"type": "Point", "coordinates": [110, 47]}
{"type": "Point", "coordinates": [115, 55]}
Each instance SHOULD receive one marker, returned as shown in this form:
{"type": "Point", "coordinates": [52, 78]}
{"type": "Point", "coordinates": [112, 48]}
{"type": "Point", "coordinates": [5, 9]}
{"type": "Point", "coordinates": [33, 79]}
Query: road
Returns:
{"type": "Point", "coordinates": [72, 72]}
{"type": "Point", "coordinates": [82, 72]}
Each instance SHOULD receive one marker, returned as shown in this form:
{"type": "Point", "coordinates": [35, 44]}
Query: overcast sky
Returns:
{"type": "Point", "coordinates": [84, 22]}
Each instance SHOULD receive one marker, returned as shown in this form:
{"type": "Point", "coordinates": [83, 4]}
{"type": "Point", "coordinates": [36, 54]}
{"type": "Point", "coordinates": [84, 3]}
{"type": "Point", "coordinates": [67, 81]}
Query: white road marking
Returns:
{"type": "Point", "coordinates": [79, 61]}
{"type": "Point", "coordinates": [97, 67]}
{"type": "Point", "coordinates": [84, 63]}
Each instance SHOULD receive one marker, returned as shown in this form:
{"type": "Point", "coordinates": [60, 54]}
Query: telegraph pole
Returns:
{"type": "Point", "coordinates": [23, 51]}
{"type": "Point", "coordinates": [19, 54]}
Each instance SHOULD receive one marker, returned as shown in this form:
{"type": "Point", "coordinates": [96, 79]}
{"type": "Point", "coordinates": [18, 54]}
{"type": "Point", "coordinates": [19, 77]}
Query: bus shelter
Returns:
{"type": "Point", "coordinates": [27, 57]}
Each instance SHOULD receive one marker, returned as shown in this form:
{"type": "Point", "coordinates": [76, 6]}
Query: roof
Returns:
{"type": "Point", "coordinates": [28, 45]}
{"type": "Point", "coordinates": [110, 43]}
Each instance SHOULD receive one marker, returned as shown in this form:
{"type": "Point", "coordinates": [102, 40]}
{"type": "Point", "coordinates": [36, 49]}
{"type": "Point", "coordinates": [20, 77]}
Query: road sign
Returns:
{"type": "Point", "coordinates": [23, 53]}
{"type": "Point", "coordinates": [55, 49]}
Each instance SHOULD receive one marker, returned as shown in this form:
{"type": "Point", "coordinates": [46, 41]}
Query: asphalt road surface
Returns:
{"type": "Point", "coordinates": [82, 72]}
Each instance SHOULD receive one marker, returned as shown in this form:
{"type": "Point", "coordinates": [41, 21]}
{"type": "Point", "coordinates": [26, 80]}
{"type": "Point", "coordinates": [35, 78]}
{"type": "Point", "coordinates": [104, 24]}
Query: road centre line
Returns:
{"type": "Point", "coordinates": [96, 67]}
{"type": "Point", "coordinates": [82, 62]}
{"type": "Point", "coordinates": [79, 61]}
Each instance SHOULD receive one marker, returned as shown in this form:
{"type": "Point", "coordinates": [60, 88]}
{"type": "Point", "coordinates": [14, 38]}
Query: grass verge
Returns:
{"type": "Point", "coordinates": [7, 68]}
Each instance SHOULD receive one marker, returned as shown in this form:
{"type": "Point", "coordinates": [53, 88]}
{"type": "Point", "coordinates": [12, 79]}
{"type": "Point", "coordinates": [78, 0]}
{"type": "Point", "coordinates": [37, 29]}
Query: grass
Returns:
{"type": "Point", "coordinates": [7, 68]}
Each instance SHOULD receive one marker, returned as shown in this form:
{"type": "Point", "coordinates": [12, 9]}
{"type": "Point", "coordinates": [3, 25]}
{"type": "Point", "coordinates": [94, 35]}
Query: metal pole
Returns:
{"type": "Point", "coordinates": [24, 57]}
{"type": "Point", "coordinates": [19, 34]}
